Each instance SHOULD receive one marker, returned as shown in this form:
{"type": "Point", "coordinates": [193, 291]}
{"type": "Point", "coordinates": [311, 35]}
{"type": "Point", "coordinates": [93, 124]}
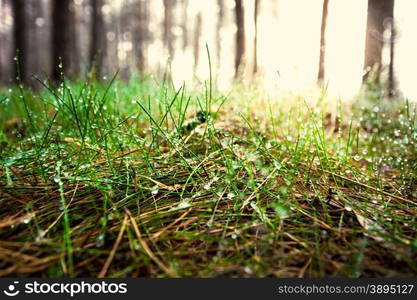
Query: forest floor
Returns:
{"type": "Point", "coordinates": [145, 179]}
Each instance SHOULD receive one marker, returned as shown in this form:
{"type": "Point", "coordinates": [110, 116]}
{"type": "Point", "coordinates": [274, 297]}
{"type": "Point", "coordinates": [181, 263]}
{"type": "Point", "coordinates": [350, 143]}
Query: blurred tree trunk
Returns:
{"type": "Point", "coordinates": [197, 36]}
{"type": "Point", "coordinates": [6, 41]}
{"type": "Point", "coordinates": [19, 36]}
{"type": "Point", "coordinates": [380, 13]}
{"type": "Point", "coordinates": [61, 38]}
{"type": "Point", "coordinates": [220, 24]}
{"type": "Point", "coordinates": [391, 74]}
{"type": "Point", "coordinates": [140, 34]}
{"type": "Point", "coordinates": [320, 76]}
{"type": "Point", "coordinates": [240, 36]}
{"type": "Point", "coordinates": [98, 38]}
{"type": "Point", "coordinates": [75, 49]}
{"type": "Point", "coordinates": [168, 23]}
{"type": "Point", "coordinates": [2, 9]}
{"type": "Point", "coordinates": [184, 28]}
{"type": "Point", "coordinates": [255, 41]}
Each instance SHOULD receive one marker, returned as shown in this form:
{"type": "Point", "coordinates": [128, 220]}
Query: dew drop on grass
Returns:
{"type": "Point", "coordinates": [85, 166]}
{"type": "Point", "coordinates": [40, 236]}
{"type": "Point", "coordinates": [282, 211]}
{"type": "Point", "coordinates": [184, 204]}
{"type": "Point", "coordinates": [100, 240]}
{"type": "Point", "coordinates": [277, 165]}
{"type": "Point", "coordinates": [155, 190]}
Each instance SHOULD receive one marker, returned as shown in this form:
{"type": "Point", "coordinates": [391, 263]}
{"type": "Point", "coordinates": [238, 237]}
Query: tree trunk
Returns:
{"type": "Point", "coordinates": [140, 34]}
{"type": "Point", "coordinates": [19, 36]}
{"type": "Point", "coordinates": [320, 76]}
{"type": "Point", "coordinates": [240, 36]}
{"type": "Point", "coordinates": [98, 38]}
{"type": "Point", "coordinates": [391, 74]}
{"type": "Point", "coordinates": [168, 23]}
{"type": "Point", "coordinates": [74, 46]}
{"type": "Point", "coordinates": [6, 46]}
{"type": "Point", "coordinates": [219, 26]}
{"type": "Point", "coordinates": [197, 37]}
{"type": "Point", "coordinates": [255, 41]}
{"type": "Point", "coordinates": [380, 12]}
{"type": "Point", "coordinates": [61, 35]}
{"type": "Point", "coordinates": [184, 27]}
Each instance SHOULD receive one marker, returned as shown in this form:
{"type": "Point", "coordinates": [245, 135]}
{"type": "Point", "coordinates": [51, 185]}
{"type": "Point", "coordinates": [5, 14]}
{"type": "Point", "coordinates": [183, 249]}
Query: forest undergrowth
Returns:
{"type": "Point", "coordinates": [145, 179]}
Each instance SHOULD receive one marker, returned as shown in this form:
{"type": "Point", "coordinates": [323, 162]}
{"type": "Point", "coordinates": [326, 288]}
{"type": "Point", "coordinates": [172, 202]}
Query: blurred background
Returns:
{"type": "Point", "coordinates": [284, 44]}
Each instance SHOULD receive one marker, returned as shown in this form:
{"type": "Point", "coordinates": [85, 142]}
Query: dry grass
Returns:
{"type": "Point", "coordinates": [228, 198]}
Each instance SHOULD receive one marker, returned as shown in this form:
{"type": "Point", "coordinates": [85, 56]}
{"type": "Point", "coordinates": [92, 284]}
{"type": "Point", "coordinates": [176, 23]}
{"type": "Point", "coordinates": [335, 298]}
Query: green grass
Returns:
{"type": "Point", "coordinates": [147, 179]}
